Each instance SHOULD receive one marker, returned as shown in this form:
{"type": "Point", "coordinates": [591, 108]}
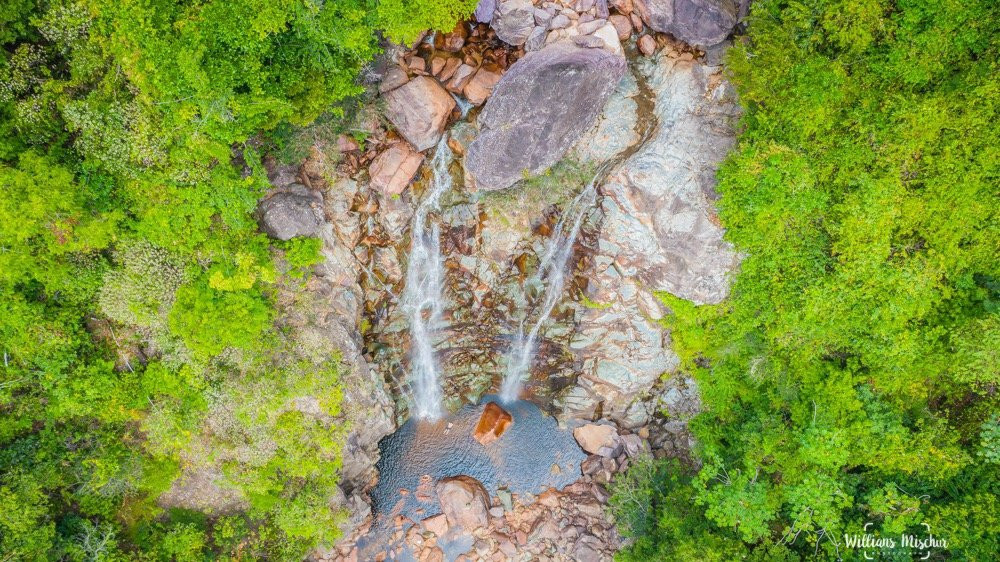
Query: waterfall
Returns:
{"type": "Point", "coordinates": [422, 297]}
{"type": "Point", "coordinates": [552, 272]}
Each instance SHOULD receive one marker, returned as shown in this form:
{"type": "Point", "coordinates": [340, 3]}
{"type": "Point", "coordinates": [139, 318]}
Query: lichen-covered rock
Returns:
{"type": "Point", "coordinates": [540, 107]}
{"type": "Point", "coordinates": [291, 213]}
{"type": "Point", "coordinates": [702, 23]}
{"type": "Point", "coordinates": [419, 110]}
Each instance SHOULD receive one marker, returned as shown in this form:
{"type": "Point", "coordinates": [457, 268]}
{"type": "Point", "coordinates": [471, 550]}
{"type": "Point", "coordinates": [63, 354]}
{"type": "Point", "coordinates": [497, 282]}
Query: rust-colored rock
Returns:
{"type": "Point", "coordinates": [623, 26]}
{"type": "Point", "coordinates": [493, 422]}
{"type": "Point", "coordinates": [480, 86]}
{"type": "Point", "coordinates": [647, 45]}
{"type": "Point", "coordinates": [450, 66]}
{"type": "Point", "coordinates": [419, 110]}
{"type": "Point", "coordinates": [394, 168]}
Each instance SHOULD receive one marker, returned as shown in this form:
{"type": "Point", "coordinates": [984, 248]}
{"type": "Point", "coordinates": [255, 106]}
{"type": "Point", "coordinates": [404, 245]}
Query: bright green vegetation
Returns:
{"type": "Point", "coordinates": [852, 375]}
{"type": "Point", "coordinates": [137, 327]}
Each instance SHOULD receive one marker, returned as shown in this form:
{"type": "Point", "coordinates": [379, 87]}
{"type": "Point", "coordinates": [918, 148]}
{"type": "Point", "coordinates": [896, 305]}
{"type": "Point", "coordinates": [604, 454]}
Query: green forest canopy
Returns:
{"type": "Point", "coordinates": [128, 177]}
{"type": "Point", "coordinates": [852, 377]}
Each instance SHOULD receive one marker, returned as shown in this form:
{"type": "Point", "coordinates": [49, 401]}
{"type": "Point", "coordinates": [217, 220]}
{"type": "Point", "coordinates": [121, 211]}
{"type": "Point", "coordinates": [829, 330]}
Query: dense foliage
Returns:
{"type": "Point", "coordinates": [136, 292]}
{"type": "Point", "coordinates": [852, 377]}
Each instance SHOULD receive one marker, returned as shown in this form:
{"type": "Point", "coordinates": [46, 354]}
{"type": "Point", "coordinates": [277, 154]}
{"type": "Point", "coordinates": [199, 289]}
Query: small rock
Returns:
{"type": "Point", "coordinates": [416, 64]}
{"type": "Point", "coordinates": [597, 439]}
{"type": "Point", "coordinates": [647, 45]}
{"type": "Point", "coordinates": [623, 26]}
{"type": "Point", "coordinates": [590, 26]}
{"type": "Point", "coordinates": [505, 499]}
{"type": "Point", "coordinates": [450, 66]}
{"type": "Point", "coordinates": [623, 6]}
{"type": "Point", "coordinates": [484, 11]}
{"type": "Point", "coordinates": [559, 22]}
{"type": "Point", "coordinates": [454, 41]}
{"type": "Point", "coordinates": [542, 17]}
{"type": "Point", "coordinates": [633, 445]}
{"type": "Point", "coordinates": [513, 21]}
{"type": "Point", "coordinates": [346, 144]}
{"type": "Point", "coordinates": [481, 86]}
{"type": "Point", "coordinates": [286, 215]}
{"type": "Point", "coordinates": [636, 22]}
{"type": "Point", "coordinates": [588, 41]}
{"type": "Point", "coordinates": [609, 36]}
{"type": "Point", "coordinates": [536, 40]}
{"type": "Point", "coordinates": [437, 65]}
{"type": "Point", "coordinates": [419, 110]}
{"type": "Point", "coordinates": [462, 76]}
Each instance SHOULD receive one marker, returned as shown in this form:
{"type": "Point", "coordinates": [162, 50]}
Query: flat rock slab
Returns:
{"type": "Point", "coordinates": [541, 106]}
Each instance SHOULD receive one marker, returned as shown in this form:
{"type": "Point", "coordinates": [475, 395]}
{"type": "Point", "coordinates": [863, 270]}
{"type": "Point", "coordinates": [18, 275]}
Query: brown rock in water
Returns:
{"type": "Point", "coordinates": [461, 78]}
{"type": "Point", "coordinates": [492, 424]}
{"type": "Point", "coordinates": [450, 66]}
{"type": "Point", "coordinates": [464, 502]}
{"type": "Point", "coordinates": [392, 170]}
{"type": "Point", "coordinates": [453, 42]}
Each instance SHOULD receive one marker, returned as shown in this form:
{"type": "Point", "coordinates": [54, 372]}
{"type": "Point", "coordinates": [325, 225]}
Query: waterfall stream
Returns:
{"type": "Point", "coordinates": [423, 300]}
{"type": "Point", "coordinates": [552, 268]}
{"type": "Point", "coordinates": [552, 272]}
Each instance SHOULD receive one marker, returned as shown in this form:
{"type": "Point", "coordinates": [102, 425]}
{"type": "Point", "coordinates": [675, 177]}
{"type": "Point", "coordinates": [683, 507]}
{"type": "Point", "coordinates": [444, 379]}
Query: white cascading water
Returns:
{"type": "Point", "coordinates": [423, 298]}
{"type": "Point", "coordinates": [552, 272]}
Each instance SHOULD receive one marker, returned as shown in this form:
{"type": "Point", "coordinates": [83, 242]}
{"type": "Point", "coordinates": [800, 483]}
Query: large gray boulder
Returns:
{"type": "Point", "coordinates": [291, 213]}
{"type": "Point", "coordinates": [541, 106]}
{"type": "Point", "coordinates": [702, 23]}
{"type": "Point", "coordinates": [419, 110]}
{"type": "Point", "coordinates": [514, 21]}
